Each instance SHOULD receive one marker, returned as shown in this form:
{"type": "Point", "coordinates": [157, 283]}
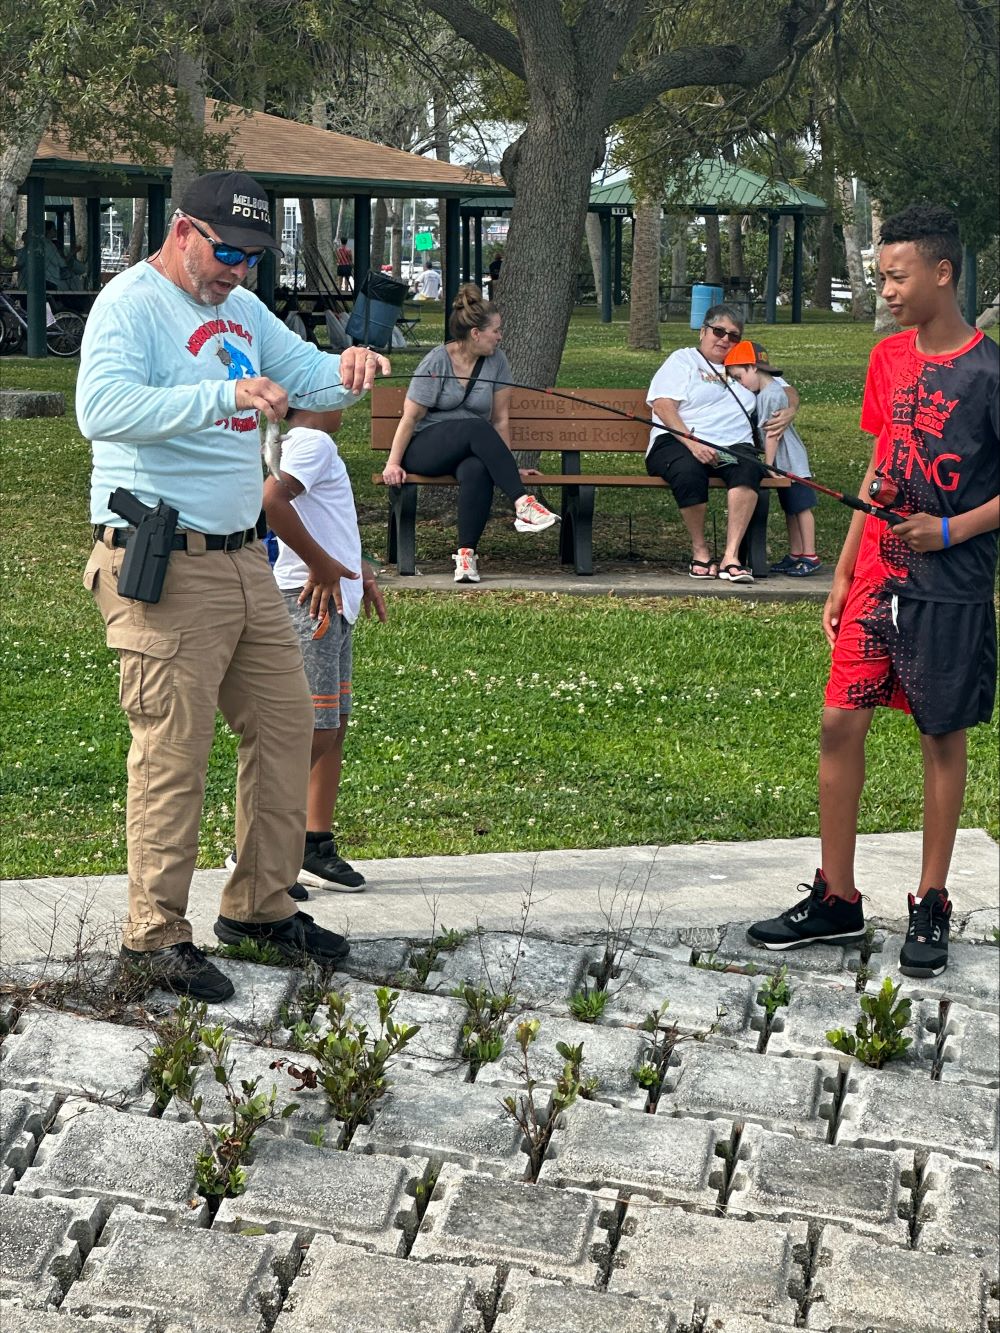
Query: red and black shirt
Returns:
{"type": "Point", "coordinates": [937, 425]}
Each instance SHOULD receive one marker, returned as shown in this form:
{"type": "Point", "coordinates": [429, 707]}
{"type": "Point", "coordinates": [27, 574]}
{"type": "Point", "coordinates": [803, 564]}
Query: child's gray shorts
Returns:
{"type": "Point", "coordinates": [328, 660]}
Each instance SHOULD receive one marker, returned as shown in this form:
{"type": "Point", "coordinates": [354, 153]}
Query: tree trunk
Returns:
{"type": "Point", "coordinates": [593, 232]}
{"type": "Point", "coordinates": [678, 264]}
{"type": "Point", "coordinates": [191, 93]}
{"type": "Point", "coordinates": [990, 316]}
{"type": "Point", "coordinates": [322, 208]}
{"type": "Point", "coordinates": [310, 246]}
{"type": "Point", "coordinates": [396, 236]}
{"type": "Point", "coordinates": [822, 296]}
{"type": "Point", "coordinates": [884, 321]}
{"type": "Point", "coordinates": [713, 250]}
{"type": "Point", "coordinates": [380, 217]}
{"type": "Point", "coordinates": [137, 236]}
{"type": "Point", "coordinates": [80, 227]}
{"type": "Point", "coordinates": [17, 152]}
{"type": "Point", "coordinates": [734, 228]}
{"type": "Point", "coordinates": [852, 248]}
{"type": "Point", "coordinates": [442, 151]}
{"type": "Point", "coordinates": [644, 300]}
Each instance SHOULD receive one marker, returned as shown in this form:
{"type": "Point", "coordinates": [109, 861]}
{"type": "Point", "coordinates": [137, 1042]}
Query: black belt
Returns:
{"type": "Point", "coordinates": [232, 541]}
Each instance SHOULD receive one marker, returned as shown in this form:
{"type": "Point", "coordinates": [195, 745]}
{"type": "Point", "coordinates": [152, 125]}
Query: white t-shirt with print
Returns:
{"type": "Point", "coordinates": [704, 402]}
{"type": "Point", "coordinates": [326, 508]}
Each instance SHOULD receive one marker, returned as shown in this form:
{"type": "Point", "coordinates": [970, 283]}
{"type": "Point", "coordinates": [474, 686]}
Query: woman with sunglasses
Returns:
{"type": "Point", "coordinates": [690, 393]}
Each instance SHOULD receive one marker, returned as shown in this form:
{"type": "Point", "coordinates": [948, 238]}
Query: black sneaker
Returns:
{"type": "Point", "coordinates": [181, 968]}
{"type": "Point", "coordinates": [821, 919]}
{"type": "Point", "coordinates": [323, 868]}
{"type": "Point", "coordinates": [925, 950]}
{"type": "Point", "coordinates": [296, 937]}
{"type": "Point", "coordinates": [296, 891]}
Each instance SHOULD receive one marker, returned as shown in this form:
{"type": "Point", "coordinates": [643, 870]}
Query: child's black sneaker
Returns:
{"type": "Point", "coordinates": [822, 919]}
{"type": "Point", "coordinates": [324, 868]}
{"type": "Point", "coordinates": [925, 950]}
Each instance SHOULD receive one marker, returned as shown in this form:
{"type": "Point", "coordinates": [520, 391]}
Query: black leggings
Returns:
{"type": "Point", "coordinates": [470, 449]}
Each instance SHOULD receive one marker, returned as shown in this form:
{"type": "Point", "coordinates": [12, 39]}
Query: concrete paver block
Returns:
{"type": "Point", "coordinates": [698, 998]}
{"type": "Point", "coordinates": [440, 1018]}
{"type": "Point", "coordinates": [745, 1267]}
{"type": "Point", "coordinates": [249, 1062]}
{"type": "Point", "coordinates": [858, 1283]}
{"type": "Point", "coordinates": [830, 960]}
{"type": "Point", "coordinates": [342, 1287]}
{"type": "Point", "coordinates": [533, 970]}
{"type": "Point", "coordinates": [447, 1121]}
{"type": "Point", "coordinates": [788, 1095]}
{"type": "Point", "coordinates": [958, 1210]}
{"type": "Point", "coordinates": [477, 1220]}
{"type": "Point", "coordinates": [981, 926]}
{"type": "Point", "coordinates": [294, 1186]}
{"type": "Point", "coordinates": [378, 960]}
{"type": "Point", "coordinates": [785, 1178]}
{"type": "Point", "coordinates": [531, 1305]}
{"type": "Point", "coordinates": [60, 1052]}
{"type": "Point", "coordinates": [16, 1317]}
{"type": "Point", "coordinates": [23, 1119]}
{"type": "Point", "coordinates": [121, 1158]}
{"type": "Point", "coordinates": [971, 1051]}
{"type": "Point", "coordinates": [800, 1027]}
{"type": "Point", "coordinates": [609, 1055]}
{"type": "Point", "coordinates": [972, 976]}
{"type": "Point", "coordinates": [187, 1277]}
{"type": "Point", "coordinates": [597, 1147]}
{"type": "Point", "coordinates": [42, 1245]}
{"type": "Point", "coordinates": [880, 1110]}
{"type": "Point", "coordinates": [261, 994]}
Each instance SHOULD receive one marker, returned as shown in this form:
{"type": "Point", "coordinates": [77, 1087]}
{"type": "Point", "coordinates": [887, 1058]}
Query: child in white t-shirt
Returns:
{"type": "Point", "coordinates": [325, 582]}
{"type": "Point", "coordinates": [749, 365]}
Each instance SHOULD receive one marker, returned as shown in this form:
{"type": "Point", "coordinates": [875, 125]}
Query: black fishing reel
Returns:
{"type": "Point", "coordinates": [883, 490]}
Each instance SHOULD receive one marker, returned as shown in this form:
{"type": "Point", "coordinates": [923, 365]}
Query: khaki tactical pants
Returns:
{"type": "Point", "coordinates": [219, 637]}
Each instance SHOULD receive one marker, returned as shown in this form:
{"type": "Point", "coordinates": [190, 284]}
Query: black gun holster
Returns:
{"type": "Point", "coordinates": [148, 551]}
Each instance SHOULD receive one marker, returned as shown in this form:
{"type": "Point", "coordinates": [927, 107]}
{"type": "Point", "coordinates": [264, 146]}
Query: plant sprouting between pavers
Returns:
{"type": "Point", "coordinates": [878, 1033]}
{"type": "Point", "coordinates": [352, 1061]}
{"type": "Point", "coordinates": [177, 1052]}
{"type": "Point", "coordinates": [588, 1005]}
{"type": "Point", "coordinates": [422, 961]}
{"type": "Point", "coordinates": [664, 1038]}
{"type": "Point", "coordinates": [775, 993]}
{"type": "Point", "coordinates": [485, 1024]}
{"type": "Point", "coordinates": [537, 1125]}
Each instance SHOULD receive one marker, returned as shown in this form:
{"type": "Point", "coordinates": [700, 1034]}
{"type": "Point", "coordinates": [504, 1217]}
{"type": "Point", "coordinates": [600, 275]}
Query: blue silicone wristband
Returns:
{"type": "Point", "coordinates": [946, 535]}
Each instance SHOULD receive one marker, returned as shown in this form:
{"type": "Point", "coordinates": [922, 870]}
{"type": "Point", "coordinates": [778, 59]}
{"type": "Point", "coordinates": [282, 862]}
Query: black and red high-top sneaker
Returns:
{"type": "Point", "coordinates": [925, 949]}
{"type": "Point", "coordinates": [822, 918]}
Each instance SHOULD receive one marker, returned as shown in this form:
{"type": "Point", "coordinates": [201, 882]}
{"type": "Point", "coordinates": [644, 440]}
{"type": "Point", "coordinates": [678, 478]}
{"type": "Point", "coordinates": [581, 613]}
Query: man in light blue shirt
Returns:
{"type": "Point", "coordinates": [177, 365]}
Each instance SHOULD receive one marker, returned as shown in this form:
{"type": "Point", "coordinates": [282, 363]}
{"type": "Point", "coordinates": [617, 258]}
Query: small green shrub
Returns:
{"type": "Point", "coordinates": [445, 942]}
{"type": "Point", "coordinates": [537, 1126]}
{"type": "Point", "coordinates": [775, 993]}
{"type": "Point", "coordinates": [176, 1052]}
{"type": "Point", "coordinates": [587, 1006]}
{"type": "Point", "coordinates": [254, 951]}
{"type": "Point", "coordinates": [484, 1028]}
{"type": "Point", "coordinates": [878, 1034]}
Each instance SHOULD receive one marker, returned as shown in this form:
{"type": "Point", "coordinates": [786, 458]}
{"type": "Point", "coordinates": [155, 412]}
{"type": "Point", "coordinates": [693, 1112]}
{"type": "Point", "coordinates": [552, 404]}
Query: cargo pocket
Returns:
{"type": "Point", "coordinates": [92, 573]}
{"type": "Point", "coordinates": [146, 659]}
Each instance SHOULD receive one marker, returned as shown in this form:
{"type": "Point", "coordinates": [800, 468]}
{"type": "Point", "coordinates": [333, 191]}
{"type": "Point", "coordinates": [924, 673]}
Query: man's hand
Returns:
{"type": "Point", "coordinates": [921, 532]}
{"type": "Point", "coordinates": [703, 453]}
{"type": "Point", "coordinates": [527, 473]}
{"type": "Point", "coordinates": [834, 609]}
{"type": "Point", "coordinates": [393, 474]}
{"type": "Point", "coordinates": [323, 586]}
{"type": "Point", "coordinates": [373, 600]}
{"type": "Point", "coordinates": [258, 392]}
{"type": "Point", "coordinates": [358, 367]}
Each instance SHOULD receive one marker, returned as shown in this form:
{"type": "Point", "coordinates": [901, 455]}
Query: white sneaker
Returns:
{"type": "Point", "coordinates": [466, 565]}
{"type": "Point", "coordinates": [531, 516]}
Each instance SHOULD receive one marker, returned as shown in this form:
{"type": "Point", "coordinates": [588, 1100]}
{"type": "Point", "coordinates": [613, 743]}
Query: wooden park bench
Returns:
{"type": "Point", "coordinates": [572, 429]}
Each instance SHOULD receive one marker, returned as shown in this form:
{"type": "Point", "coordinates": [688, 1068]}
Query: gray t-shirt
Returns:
{"type": "Point", "coordinates": [442, 393]}
{"type": "Point", "coordinates": [791, 455]}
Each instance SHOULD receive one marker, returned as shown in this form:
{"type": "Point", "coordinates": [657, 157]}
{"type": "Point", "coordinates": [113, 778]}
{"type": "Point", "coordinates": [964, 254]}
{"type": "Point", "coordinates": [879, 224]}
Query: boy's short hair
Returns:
{"type": "Point", "coordinates": [932, 229]}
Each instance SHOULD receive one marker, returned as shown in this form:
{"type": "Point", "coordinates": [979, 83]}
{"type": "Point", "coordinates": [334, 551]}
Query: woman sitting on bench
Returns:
{"type": "Point", "coordinates": [455, 423]}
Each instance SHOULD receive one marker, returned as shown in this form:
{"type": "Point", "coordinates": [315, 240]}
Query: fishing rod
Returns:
{"type": "Point", "coordinates": [845, 498]}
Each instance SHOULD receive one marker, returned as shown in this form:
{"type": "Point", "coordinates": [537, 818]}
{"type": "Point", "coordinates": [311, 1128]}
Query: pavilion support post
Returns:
{"type": "Point", "coordinates": [797, 269]}
{"type": "Point", "coordinates": [616, 287]}
{"type": "Point", "coordinates": [773, 240]}
{"type": "Point", "coordinates": [605, 267]}
{"type": "Point", "coordinates": [451, 257]}
{"type": "Point", "coordinates": [94, 243]}
{"type": "Point", "coordinates": [466, 248]}
{"type": "Point", "coordinates": [362, 238]}
{"type": "Point", "coordinates": [478, 247]}
{"type": "Point", "coordinates": [969, 268]}
{"type": "Point", "coordinates": [269, 266]}
{"type": "Point", "coordinates": [34, 278]}
{"type": "Point", "coordinates": [156, 216]}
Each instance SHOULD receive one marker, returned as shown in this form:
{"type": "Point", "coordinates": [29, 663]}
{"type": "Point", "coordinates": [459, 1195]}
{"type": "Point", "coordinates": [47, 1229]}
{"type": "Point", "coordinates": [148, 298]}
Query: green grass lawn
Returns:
{"type": "Point", "coordinates": [498, 721]}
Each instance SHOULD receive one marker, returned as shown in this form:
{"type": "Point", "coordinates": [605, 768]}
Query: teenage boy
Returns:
{"type": "Point", "coordinates": [310, 508]}
{"type": "Point", "coordinates": [910, 618]}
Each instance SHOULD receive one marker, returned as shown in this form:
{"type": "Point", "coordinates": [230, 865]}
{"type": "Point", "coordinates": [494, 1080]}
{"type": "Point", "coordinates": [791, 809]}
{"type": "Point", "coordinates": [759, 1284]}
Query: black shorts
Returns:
{"type": "Point", "coordinates": [344, 270]}
{"type": "Point", "coordinates": [672, 460]}
{"type": "Point", "coordinates": [936, 660]}
{"type": "Point", "coordinates": [796, 499]}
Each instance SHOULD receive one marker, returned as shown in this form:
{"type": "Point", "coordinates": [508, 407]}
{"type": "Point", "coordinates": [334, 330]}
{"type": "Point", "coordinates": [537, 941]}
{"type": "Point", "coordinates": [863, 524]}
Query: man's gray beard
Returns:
{"type": "Point", "coordinates": [200, 288]}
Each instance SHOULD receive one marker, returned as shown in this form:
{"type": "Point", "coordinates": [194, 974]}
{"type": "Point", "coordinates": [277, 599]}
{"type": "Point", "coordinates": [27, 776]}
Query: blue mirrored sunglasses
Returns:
{"type": "Point", "coordinates": [230, 255]}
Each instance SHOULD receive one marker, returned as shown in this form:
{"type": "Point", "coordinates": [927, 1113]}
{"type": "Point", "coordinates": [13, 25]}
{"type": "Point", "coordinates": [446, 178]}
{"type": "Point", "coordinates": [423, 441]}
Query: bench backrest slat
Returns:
{"type": "Point", "coordinates": [387, 401]}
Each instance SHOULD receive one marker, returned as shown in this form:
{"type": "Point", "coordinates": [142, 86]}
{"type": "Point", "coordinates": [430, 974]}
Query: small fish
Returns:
{"type": "Point", "coordinates": [272, 448]}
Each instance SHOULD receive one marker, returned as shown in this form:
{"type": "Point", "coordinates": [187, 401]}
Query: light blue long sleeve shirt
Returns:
{"type": "Point", "coordinates": [156, 396]}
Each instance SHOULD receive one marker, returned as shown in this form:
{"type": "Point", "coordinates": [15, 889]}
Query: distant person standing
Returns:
{"type": "Point", "coordinates": [429, 283]}
{"type": "Point", "coordinates": [345, 266]}
{"type": "Point", "coordinates": [496, 264]}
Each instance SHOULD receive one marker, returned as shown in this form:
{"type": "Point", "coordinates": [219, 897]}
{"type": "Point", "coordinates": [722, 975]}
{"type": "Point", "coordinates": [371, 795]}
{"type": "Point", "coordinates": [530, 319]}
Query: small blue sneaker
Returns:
{"type": "Point", "coordinates": [785, 564]}
{"type": "Point", "coordinates": [804, 567]}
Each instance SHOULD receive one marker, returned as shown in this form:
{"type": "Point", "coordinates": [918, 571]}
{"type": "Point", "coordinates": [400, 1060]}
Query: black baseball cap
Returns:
{"type": "Point", "coordinates": [235, 206]}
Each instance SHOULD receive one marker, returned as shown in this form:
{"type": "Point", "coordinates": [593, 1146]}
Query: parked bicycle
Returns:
{"type": "Point", "coordinates": [63, 331]}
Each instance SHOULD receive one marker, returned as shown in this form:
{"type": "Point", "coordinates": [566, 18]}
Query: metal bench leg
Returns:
{"type": "Point", "coordinates": [576, 540]}
{"type": "Point", "coordinates": [403, 528]}
{"type": "Point", "coordinates": [753, 548]}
